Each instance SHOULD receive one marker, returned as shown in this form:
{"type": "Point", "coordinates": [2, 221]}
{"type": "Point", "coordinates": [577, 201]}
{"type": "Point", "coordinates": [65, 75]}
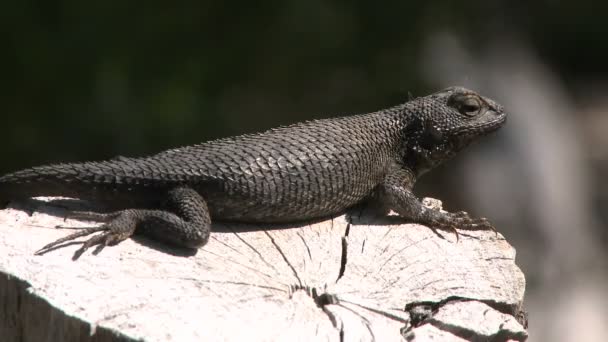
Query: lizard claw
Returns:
{"type": "Point", "coordinates": [461, 220]}
{"type": "Point", "coordinates": [84, 231]}
{"type": "Point", "coordinates": [121, 226]}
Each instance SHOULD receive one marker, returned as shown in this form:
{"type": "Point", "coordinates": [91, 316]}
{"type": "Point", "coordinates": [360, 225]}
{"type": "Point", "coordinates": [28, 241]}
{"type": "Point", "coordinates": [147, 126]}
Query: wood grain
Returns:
{"type": "Point", "coordinates": [344, 278]}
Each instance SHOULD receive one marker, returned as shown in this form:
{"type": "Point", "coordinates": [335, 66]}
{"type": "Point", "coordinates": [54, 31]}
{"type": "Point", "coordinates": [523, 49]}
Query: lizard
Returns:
{"type": "Point", "coordinates": [298, 172]}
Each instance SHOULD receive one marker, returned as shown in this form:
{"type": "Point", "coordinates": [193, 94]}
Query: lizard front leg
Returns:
{"type": "Point", "coordinates": [396, 193]}
{"type": "Point", "coordinates": [184, 221]}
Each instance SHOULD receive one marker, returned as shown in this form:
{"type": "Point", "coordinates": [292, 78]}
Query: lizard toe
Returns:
{"type": "Point", "coordinates": [120, 227]}
{"type": "Point", "coordinates": [91, 216]}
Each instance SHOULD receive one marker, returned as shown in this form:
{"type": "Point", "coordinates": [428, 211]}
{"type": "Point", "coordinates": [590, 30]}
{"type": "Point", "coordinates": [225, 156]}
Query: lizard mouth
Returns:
{"type": "Point", "coordinates": [466, 135]}
{"type": "Point", "coordinates": [488, 123]}
{"type": "Point", "coordinates": [491, 126]}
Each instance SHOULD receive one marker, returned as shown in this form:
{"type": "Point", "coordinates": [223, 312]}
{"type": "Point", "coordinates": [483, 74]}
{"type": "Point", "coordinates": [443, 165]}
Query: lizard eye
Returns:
{"type": "Point", "coordinates": [466, 105]}
{"type": "Point", "coordinates": [470, 106]}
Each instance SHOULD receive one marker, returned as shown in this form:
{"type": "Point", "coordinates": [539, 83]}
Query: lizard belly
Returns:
{"type": "Point", "coordinates": [287, 199]}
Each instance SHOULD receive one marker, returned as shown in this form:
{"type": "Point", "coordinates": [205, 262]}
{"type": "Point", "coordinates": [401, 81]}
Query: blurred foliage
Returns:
{"type": "Point", "coordinates": [90, 80]}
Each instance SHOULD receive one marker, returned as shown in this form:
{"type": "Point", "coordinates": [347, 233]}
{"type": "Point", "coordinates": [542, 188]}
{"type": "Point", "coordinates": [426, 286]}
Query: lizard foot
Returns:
{"type": "Point", "coordinates": [461, 220]}
{"type": "Point", "coordinates": [120, 226]}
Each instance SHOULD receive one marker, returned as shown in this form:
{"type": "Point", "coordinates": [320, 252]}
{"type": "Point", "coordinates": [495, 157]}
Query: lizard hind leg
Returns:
{"type": "Point", "coordinates": [183, 221]}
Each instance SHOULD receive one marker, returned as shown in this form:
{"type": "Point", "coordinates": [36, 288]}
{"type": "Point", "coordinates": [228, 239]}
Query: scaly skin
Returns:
{"type": "Point", "coordinates": [299, 172]}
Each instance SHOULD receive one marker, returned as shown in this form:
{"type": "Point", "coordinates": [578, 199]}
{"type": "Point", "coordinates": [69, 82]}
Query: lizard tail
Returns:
{"type": "Point", "coordinates": [81, 180]}
{"type": "Point", "coordinates": [46, 180]}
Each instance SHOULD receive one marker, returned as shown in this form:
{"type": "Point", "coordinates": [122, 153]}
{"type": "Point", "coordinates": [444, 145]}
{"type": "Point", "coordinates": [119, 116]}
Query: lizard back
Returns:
{"type": "Point", "coordinates": [303, 171]}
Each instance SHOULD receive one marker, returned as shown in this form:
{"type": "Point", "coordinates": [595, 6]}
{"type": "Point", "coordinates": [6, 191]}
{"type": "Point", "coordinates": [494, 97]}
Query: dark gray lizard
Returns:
{"type": "Point", "coordinates": [299, 172]}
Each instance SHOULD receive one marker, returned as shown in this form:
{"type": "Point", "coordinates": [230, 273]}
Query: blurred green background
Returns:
{"type": "Point", "coordinates": [92, 80]}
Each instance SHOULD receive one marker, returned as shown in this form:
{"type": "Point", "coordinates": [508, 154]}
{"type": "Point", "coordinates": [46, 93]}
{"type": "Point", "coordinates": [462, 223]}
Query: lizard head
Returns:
{"type": "Point", "coordinates": [445, 122]}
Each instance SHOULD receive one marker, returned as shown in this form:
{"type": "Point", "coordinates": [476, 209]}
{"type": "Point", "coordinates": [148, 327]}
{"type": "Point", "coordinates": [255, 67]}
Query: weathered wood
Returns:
{"type": "Point", "coordinates": [322, 281]}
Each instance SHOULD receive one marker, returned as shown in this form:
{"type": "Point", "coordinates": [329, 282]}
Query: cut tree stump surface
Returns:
{"type": "Point", "coordinates": [374, 278]}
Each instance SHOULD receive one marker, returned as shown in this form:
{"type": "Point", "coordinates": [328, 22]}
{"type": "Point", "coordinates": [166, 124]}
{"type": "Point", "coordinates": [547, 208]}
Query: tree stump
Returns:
{"type": "Point", "coordinates": [346, 278]}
